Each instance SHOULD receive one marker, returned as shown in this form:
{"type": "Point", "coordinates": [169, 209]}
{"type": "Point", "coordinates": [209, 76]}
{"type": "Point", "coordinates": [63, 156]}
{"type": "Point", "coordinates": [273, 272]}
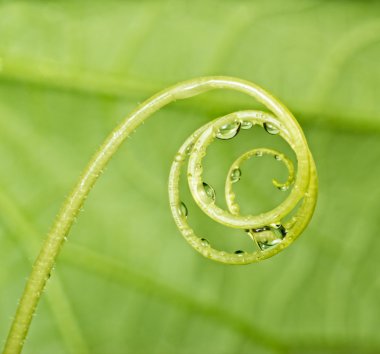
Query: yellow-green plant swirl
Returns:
{"type": "Point", "coordinates": [272, 231]}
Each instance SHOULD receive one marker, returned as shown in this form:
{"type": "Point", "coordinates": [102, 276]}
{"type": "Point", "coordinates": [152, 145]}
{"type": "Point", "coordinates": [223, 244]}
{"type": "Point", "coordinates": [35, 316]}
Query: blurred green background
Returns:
{"type": "Point", "coordinates": [126, 281]}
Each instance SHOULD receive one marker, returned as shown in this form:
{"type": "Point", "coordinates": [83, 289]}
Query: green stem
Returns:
{"type": "Point", "coordinates": [66, 217]}
{"type": "Point", "coordinates": [27, 237]}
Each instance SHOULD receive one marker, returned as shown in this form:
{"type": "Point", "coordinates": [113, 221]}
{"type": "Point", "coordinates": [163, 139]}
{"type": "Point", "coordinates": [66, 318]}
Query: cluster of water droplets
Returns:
{"type": "Point", "coordinates": [265, 236]}
{"type": "Point", "coordinates": [271, 231]}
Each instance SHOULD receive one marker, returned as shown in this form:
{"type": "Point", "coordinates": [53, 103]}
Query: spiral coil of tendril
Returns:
{"type": "Point", "coordinates": [271, 231]}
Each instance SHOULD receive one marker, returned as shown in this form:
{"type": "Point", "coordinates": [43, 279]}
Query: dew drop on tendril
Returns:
{"type": "Point", "coordinates": [183, 210]}
{"type": "Point", "coordinates": [179, 157]}
{"type": "Point", "coordinates": [268, 244]}
{"type": "Point", "coordinates": [267, 237]}
{"type": "Point", "coordinates": [283, 188]}
{"type": "Point", "coordinates": [235, 175]}
{"type": "Point", "coordinates": [245, 124]}
{"type": "Point", "coordinates": [228, 131]}
{"type": "Point", "coordinates": [209, 191]}
{"type": "Point", "coordinates": [271, 129]}
{"type": "Point", "coordinates": [240, 253]}
{"type": "Point", "coordinates": [204, 242]}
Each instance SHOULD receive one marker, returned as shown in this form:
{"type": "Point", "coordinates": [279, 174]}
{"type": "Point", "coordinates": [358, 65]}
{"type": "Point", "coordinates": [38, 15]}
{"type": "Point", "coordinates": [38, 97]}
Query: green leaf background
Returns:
{"type": "Point", "coordinates": [126, 281]}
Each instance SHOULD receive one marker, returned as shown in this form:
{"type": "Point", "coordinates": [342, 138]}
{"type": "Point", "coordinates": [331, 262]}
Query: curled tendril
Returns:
{"type": "Point", "coordinates": [271, 231]}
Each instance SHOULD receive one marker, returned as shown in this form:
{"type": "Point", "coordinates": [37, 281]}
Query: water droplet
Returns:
{"type": "Point", "coordinates": [271, 129]}
{"type": "Point", "coordinates": [265, 245]}
{"type": "Point", "coordinates": [235, 175]}
{"type": "Point", "coordinates": [228, 131]}
{"type": "Point", "coordinates": [210, 192]}
{"type": "Point", "coordinates": [267, 237]}
{"type": "Point", "coordinates": [278, 157]}
{"type": "Point", "coordinates": [205, 242]}
{"type": "Point", "coordinates": [258, 153]}
{"type": "Point", "coordinates": [240, 253]}
{"type": "Point", "coordinates": [183, 210]}
{"type": "Point", "coordinates": [283, 188]}
{"type": "Point", "coordinates": [179, 157]}
{"type": "Point", "coordinates": [246, 124]}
